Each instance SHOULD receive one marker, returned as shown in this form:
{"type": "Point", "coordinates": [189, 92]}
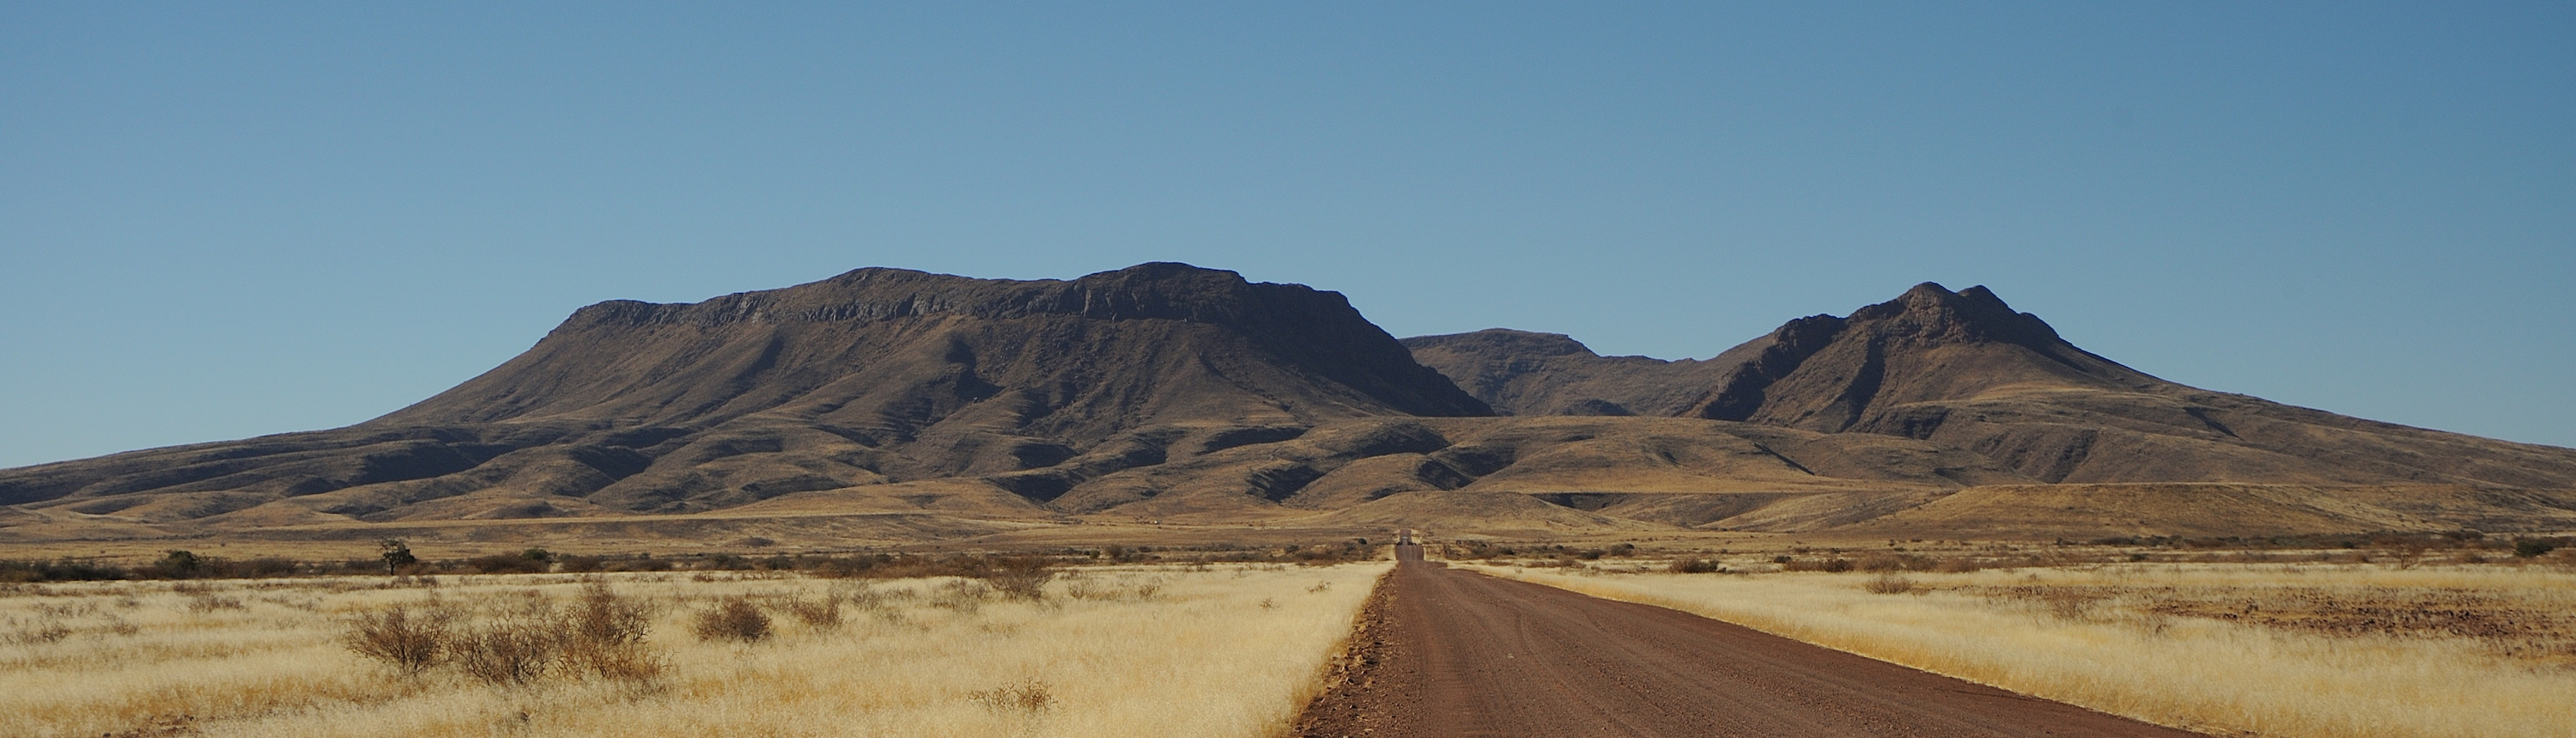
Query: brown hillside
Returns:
{"type": "Point", "coordinates": [1964, 370]}
{"type": "Point", "coordinates": [886, 405]}
{"type": "Point", "coordinates": [875, 376]}
{"type": "Point", "coordinates": [1523, 373]}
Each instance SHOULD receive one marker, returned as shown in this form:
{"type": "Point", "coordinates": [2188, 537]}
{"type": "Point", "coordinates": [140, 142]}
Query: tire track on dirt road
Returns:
{"type": "Point", "coordinates": [1443, 652]}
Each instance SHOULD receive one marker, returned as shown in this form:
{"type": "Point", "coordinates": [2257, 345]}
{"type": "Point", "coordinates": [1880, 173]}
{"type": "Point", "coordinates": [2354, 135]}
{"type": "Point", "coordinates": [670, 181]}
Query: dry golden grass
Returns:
{"type": "Point", "coordinates": [2325, 651]}
{"type": "Point", "coordinates": [1112, 651]}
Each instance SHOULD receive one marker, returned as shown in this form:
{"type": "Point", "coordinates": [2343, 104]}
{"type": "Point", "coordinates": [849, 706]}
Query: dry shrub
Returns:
{"type": "Point", "coordinates": [510, 651]}
{"type": "Point", "coordinates": [1887, 584]}
{"type": "Point", "coordinates": [818, 614]}
{"type": "Point", "coordinates": [1021, 578]}
{"type": "Point", "coordinates": [2072, 604]}
{"type": "Point", "coordinates": [120, 626]}
{"type": "Point", "coordinates": [410, 638]}
{"type": "Point", "coordinates": [735, 619]}
{"type": "Point", "coordinates": [515, 648]}
{"type": "Point", "coordinates": [866, 596]}
{"type": "Point", "coordinates": [202, 599]}
{"type": "Point", "coordinates": [605, 636]}
{"type": "Point", "coordinates": [1082, 587]}
{"type": "Point", "coordinates": [46, 630]}
{"type": "Point", "coordinates": [1695, 566]}
{"type": "Point", "coordinates": [962, 595]}
{"type": "Point", "coordinates": [601, 635]}
{"type": "Point", "coordinates": [1833, 565]}
{"type": "Point", "coordinates": [1958, 566]}
{"type": "Point", "coordinates": [206, 603]}
{"type": "Point", "coordinates": [1030, 696]}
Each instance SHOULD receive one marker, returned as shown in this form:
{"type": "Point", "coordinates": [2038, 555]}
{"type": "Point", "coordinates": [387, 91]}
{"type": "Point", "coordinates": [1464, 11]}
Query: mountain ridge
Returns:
{"type": "Point", "coordinates": [1170, 392]}
{"type": "Point", "coordinates": [1964, 369]}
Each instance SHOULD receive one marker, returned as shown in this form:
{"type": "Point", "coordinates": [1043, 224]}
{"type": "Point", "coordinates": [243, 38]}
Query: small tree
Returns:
{"type": "Point", "coordinates": [397, 555]}
{"type": "Point", "coordinates": [181, 564]}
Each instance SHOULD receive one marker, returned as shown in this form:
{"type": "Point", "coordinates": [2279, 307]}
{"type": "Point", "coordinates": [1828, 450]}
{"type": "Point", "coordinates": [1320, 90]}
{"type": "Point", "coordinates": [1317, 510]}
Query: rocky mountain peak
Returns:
{"type": "Point", "coordinates": [1930, 313]}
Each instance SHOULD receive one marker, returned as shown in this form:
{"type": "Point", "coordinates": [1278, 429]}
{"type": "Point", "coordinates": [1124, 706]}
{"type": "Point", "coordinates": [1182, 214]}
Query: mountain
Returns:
{"type": "Point", "coordinates": [874, 376]}
{"type": "Point", "coordinates": [1964, 370]}
{"type": "Point", "coordinates": [1524, 373]}
{"type": "Point", "coordinates": [899, 352]}
{"type": "Point", "coordinates": [886, 405]}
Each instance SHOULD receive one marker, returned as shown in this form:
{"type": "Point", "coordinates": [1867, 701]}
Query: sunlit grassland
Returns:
{"type": "Point", "coordinates": [2302, 650]}
{"type": "Point", "coordinates": [1225, 650]}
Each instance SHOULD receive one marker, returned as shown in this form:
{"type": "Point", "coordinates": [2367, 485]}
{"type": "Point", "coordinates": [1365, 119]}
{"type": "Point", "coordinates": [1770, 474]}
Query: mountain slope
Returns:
{"type": "Point", "coordinates": [1524, 373]}
{"type": "Point", "coordinates": [1962, 369]}
{"type": "Point", "coordinates": [873, 376]}
{"type": "Point", "coordinates": [885, 404]}
{"type": "Point", "coordinates": [898, 351]}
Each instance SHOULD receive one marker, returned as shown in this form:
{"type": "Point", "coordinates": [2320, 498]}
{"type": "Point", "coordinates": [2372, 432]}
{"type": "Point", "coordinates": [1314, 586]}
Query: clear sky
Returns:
{"type": "Point", "coordinates": [220, 220]}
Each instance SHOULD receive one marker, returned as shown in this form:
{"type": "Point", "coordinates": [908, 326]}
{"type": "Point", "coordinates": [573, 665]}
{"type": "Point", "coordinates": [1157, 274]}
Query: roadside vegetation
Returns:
{"type": "Point", "coordinates": [2475, 639]}
{"type": "Point", "coordinates": [395, 557]}
{"type": "Point", "coordinates": [994, 645]}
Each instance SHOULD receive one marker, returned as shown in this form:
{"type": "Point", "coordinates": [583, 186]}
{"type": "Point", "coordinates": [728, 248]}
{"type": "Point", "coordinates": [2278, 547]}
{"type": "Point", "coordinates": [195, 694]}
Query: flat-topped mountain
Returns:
{"type": "Point", "coordinates": [900, 352]}
{"type": "Point", "coordinates": [886, 404]}
{"type": "Point", "coordinates": [874, 376]}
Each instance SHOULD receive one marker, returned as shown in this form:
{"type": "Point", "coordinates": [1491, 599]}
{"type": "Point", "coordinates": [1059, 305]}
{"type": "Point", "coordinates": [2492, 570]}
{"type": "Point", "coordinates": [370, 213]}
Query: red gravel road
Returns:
{"type": "Point", "coordinates": [1443, 652]}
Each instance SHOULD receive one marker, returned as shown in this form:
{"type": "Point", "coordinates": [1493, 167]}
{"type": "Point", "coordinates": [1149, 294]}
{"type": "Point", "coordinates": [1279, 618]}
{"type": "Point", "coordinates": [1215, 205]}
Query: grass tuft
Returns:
{"type": "Point", "coordinates": [1031, 696]}
{"type": "Point", "coordinates": [1888, 584]}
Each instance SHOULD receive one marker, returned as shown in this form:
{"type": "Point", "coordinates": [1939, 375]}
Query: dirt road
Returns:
{"type": "Point", "coordinates": [1444, 652]}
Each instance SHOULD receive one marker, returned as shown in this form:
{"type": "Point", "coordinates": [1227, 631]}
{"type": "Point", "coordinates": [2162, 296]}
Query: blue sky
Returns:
{"type": "Point", "coordinates": [223, 220]}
